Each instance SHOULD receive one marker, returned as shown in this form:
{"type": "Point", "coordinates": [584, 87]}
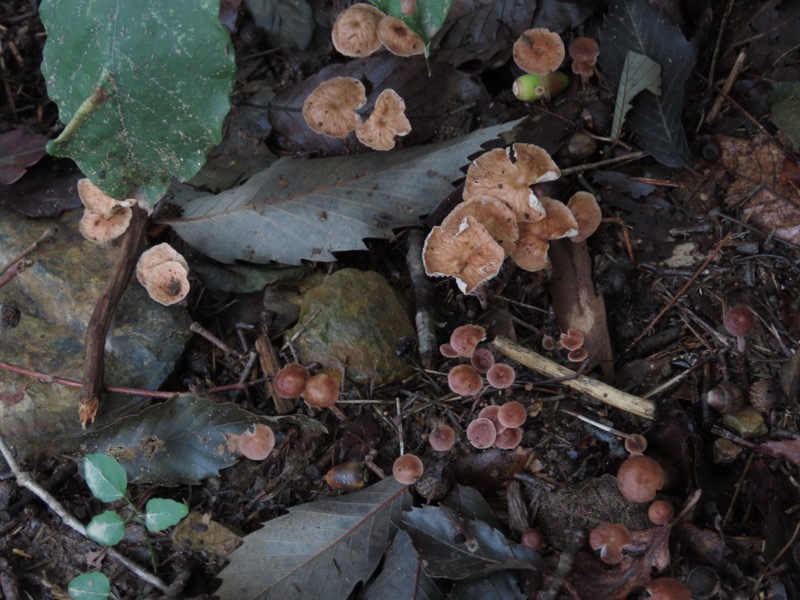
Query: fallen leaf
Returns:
{"type": "Point", "coordinates": [402, 575]}
{"type": "Point", "coordinates": [787, 449]}
{"type": "Point", "coordinates": [327, 205]}
{"type": "Point", "coordinates": [18, 151]}
{"type": "Point", "coordinates": [320, 550]}
{"type": "Point", "coordinates": [639, 73]}
{"type": "Point", "coordinates": [577, 305]}
{"type": "Point", "coordinates": [288, 24]}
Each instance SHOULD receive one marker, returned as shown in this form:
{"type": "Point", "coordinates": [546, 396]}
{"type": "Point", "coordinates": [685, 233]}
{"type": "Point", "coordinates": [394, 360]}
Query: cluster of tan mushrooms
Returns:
{"type": "Point", "coordinates": [161, 269]}
{"type": "Point", "coordinates": [331, 108]}
{"type": "Point", "coordinates": [501, 216]}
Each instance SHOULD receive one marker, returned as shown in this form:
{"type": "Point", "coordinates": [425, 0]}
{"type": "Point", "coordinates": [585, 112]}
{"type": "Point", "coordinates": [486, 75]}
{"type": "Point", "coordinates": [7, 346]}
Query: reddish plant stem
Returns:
{"type": "Point", "coordinates": [97, 329]}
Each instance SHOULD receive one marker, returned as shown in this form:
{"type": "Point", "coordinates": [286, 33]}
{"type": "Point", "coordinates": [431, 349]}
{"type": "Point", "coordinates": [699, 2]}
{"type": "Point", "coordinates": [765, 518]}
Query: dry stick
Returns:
{"type": "Point", "coordinates": [604, 163]}
{"type": "Point", "coordinates": [726, 88]}
{"type": "Point", "coordinates": [682, 291]}
{"type": "Point", "coordinates": [421, 285]}
{"type": "Point", "coordinates": [270, 366]}
{"type": "Point", "coordinates": [48, 233]}
{"type": "Point", "coordinates": [580, 383]}
{"type": "Point", "coordinates": [18, 268]}
{"type": "Point", "coordinates": [97, 329]}
{"type": "Point", "coordinates": [29, 483]}
{"type": "Point", "coordinates": [195, 327]}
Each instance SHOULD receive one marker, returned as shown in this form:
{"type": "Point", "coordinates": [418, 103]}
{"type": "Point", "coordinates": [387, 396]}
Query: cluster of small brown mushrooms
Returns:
{"type": "Point", "coordinates": [501, 216]}
{"type": "Point", "coordinates": [293, 380]}
{"type": "Point", "coordinates": [571, 341]}
{"type": "Point", "coordinates": [161, 270]}
{"type": "Point", "coordinates": [331, 108]}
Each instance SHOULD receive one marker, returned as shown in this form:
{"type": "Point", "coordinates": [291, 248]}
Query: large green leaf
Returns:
{"type": "Point", "coordinates": [143, 85]}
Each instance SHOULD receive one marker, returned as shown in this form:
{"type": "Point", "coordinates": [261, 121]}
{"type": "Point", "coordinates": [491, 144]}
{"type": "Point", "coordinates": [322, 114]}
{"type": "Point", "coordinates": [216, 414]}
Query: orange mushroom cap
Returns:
{"type": "Point", "coordinates": [481, 433]}
{"type": "Point", "coordinates": [471, 256]}
{"type": "Point", "coordinates": [322, 390]}
{"type": "Point", "coordinates": [258, 443]}
{"type": "Point", "coordinates": [539, 51]}
{"type": "Point", "coordinates": [639, 478]}
{"type": "Point", "coordinates": [97, 228]}
{"type": "Point", "coordinates": [398, 38]}
{"type": "Point", "coordinates": [331, 108]}
{"type": "Point", "coordinates": [531, 251]}
{"type": "Point", "coordinates": [498, 219]}
{"type": "Point", "coordinates": [587, 213]}
{"type": "Point", "coordinates": [355, 31]}
{"type": "Point", "coordinates": [584, 49]}
{"type": "Point", "coordinates": [407, 469]}
{"type": "Point", "coordinates": [495, 174]}
{"type": "Point", "coordinates": [465, 339]}
{"type": "Point", "coordinates": [532, 244]}
{"type": "Point", "coordinates": [387, 120]}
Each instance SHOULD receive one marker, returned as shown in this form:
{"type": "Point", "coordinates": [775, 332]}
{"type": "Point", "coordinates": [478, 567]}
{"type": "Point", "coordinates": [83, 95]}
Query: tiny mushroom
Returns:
{"type": "Point", "coordinates": [668, 588]}
{"type": "Point", "coordinates": [331, 108]}
{"type": "Point", "coordinates": [471, 256]}
{"type": "Point", "coordinates": [660, 512]}
{"type": "Point", "coordinates": [448, 351]}
{"type": "Point", "coordinates": [507, 174]}
{"type": "Point", "coordinates": [490, 412]}
{"type": "Point", "coordinates": [512, 414]}
{"type": "Point", "coordinates": [578, 355]}
{"type": "Point", "coordinates": [639, 478]}
{"type": "Point", "coordinates": [608, 540]}
{"type": "Point", "coordinates": [482, 360]}
{"type": "Point", "coordinates": [509, 438]}
{"type": "Point", "coordinates": [532, 539]}
{"type": "Point", "coordinates": [583, 51]}
{"type": "Point", "coordinates": [498, 219]}
{"type": "Point", "coordinates": [387, 120]}
{"type": "Point", "coordinates": [322, 390]}
{"type": "Point", "coordinates": [155, 256]}
{"type": "Point", "coordinates": [500, 376]}
{"type": "Point", "coordinates": [481, 433]}
{"type": "Point", "coordinates": [533, 243]}
{"type": "Point", "coordinates": [739, 321]}
{"type": "Point", "coordinates": [465, 339]}
{"type": "Point", "coordinates": [464, 380]}
{"type": "Point", "coordinates": [104, 218]}
{"type": "Point", "coordinates": [398, 38]}
{"type": "Point", "coordinates": [407, 469]}
{"type": "Point", "coordinates": [258, 443]}
{"type": "Point", "coordinates": [97, 201]}
{"type": "Point", "coordinates": [572, 339]}
{"type": "Point", "coordinates": [167, 283]}
{"type": "Point", "coordinates": [355, 31]}
{"type": "Point", "coordinates": [442, 438]}
{"type": "Point", "coordinates": [587, 213]}
{"type": "Point", "coordinates": [290, 381]}
{"type": "Point", "coordinates": [539, 51]}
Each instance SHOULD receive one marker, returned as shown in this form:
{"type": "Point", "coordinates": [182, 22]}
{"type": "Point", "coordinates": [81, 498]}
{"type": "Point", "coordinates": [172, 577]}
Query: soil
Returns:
{"type": "Point", "coordinates": [678, 248]}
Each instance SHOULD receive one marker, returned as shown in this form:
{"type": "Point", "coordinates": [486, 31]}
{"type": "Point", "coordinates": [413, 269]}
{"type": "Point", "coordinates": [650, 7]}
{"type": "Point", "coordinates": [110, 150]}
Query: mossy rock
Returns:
{"type": "Point", "coordinates": [354, 319]}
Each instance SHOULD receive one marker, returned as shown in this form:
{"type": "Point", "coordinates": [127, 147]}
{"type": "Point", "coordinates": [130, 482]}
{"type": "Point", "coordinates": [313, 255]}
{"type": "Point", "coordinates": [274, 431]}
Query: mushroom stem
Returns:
{"type": "Point", "coordinates": [580, 383]}
{"type": "Point", "coordinates": [97, 329]}
{"type": "Point", "coordinates": [421, 285]}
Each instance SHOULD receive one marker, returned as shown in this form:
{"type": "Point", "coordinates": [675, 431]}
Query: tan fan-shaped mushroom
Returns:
{"type": "Point", "coordinates": [587, 214]}
{"type": "Point", "coordinates": [97, 228]}
{"type": "Point", "coordinates": [532, 245]}
{"type": "Point", "coordinates": [155, 256]}
{"type": "Point", "coordinates": [331, 108]}
{"type": "Point", "coordinates": [495, 174]}
{"type": "Point", "coordinates": [97, 201]}
{"type": "Point", "coordinates": [498, 219]}
{"type": "Point", "coordinates": [471, 256]}
{"type": "Point", "coordinates": [539, 51]}
{"type": "Point", "coordinates": [387, 120]}
{"type": "Point", "coordinates": [355, 32]}
{"type": "Point", "coordinates": [398, 38]}
{"type": "Point", "coordinates": [168, 283]}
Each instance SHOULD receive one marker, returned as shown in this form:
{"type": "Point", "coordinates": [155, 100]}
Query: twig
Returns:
{"type": "Point", "coordinates": [726, 88]}
{"type": "Point", "coordinates": [97, 329]}
{"type": "Point", "coordinates": [48, 233]}
{"type": "Point", "coordinates": [580, 383]}
{"type": "Point", "coordinates": [195, 327]}
{"type": "Point", "coordinates": [18, 268]}
{"type": "Point", "coordinates": [604, 163]}
{"type": "Point", "coordinates": [565, 564]}
{"type": "Point", "coordinates": [682, 291]}
{"type": "Point", "coordinates": [54, 505]}
{"type": "Point", "coordinates": [270, 366]}
{"type": "Point", "coordinates": [421, 285]}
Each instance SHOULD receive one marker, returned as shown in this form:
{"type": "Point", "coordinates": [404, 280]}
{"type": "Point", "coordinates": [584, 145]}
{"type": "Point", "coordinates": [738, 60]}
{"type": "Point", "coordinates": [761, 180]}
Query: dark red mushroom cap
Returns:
{"type": "Point", "coordinates": [407, 469]}
{"type": "Point", "coordinates": [290, 381]}
{"type": "Point", "coordinates": [608, 540]}
{"type": "Point", "coordinates": [464, 380]}
{"type": "Point", "coordinates": [639, 478]}
{"type": "Point", "coordinates": [500, 375]}
{"type": "Point", "coordinates": [512, 414]}
{"type": "Point", "coordinates": [465, 339]}
{"type": "Point", "coordinates": [481, 433]}
{"type": "Point", "coordinates": [442, 438]}
{"type": "Point", "coordinates": [660, 512]}
{"type": "Point", "coordinates": [739, 320]}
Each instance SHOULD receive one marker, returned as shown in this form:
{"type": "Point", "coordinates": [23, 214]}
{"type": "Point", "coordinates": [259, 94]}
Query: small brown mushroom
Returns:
{"type": "Point", "coordinates": [448, 351]}
{"type": "Point", "coordinates": [481, 433]}
{"type": "Point", "coordinates": [583, 51]}
{"type": "Point", "coordinates": [97, 228]}
{"type": "Point", "coordinates": [508, 174]}
{"type": "Point", "coordinates": [532, 244]}
{"type": "Point", "coordinates": [490, 412]}
{"type": "Point", "coordinates": [407, 469]}
{"type": "Point", "coordinates": [258, 443]}
{"type": "Point", "coordinates": [387, 120]}
{"type": "Point", "coordinates": [539, 51]}
{"type": "Point", "coordinates": [464, 380]}
{"type": "Point", "coordinates": [290, 381]}
{"type": "Point", "coordinates": [97, 201]}
{"type": "Point", "coordinates": [668, 588]}
{"type": "Point", "coordinates": [498, 219]}
{"type": "Point", "coordinates": [442, 438]}
{"type": "Point", "coordinates": [500, 376]}
{"type": "Point", "coordinates": [572, 339]}
{"type": "Point", "coordinates": [608, 540]}
{"type": "Point", "coordinates": [639, 478]}
{"type": "Point", "coordinates": [355, 31]}
{"type": "Point", "coordinates": [322, 390]}
{"type": "Point", "coordinates": [482, 360]}
{"type": "Point", "coordinates": [512, 414]}
{"type": "Point", "coordinates": [331, 108]}
{"type": "Point", "coordinates": [660, 512]}
{"type": "Point", "coordinates": [508, 439]}
{"type": "Point", "coordinates": [398, 38]}
{"type": "Point", "coordinates": [578, 355]}
{"type": "Point", "coordinates": [587, 213]}
{"type": "Point", "coordinates": [465, 338]}
{"type": "Point", "coordinates": [471, 256]}
{"type": "Point", "coordinates": [157, 255]}
{"type": "Point", "coordinates": [167, 283]}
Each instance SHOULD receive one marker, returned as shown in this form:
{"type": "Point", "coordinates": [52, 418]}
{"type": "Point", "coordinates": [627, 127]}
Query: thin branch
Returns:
{"type": "Point", "coordinates": [54, 505]}
{"type": "Point", "coordinates": [48, 233]}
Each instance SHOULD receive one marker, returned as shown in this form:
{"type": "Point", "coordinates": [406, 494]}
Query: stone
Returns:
{"type": "Point", "coordinates": [746, 422]}
{"type": "Point", "coordinates": [354, 320]}
{"type": "Point", "coordinates": [56, 297]}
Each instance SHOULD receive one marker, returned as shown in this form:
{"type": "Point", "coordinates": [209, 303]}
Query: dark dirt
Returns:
{"type": "Point", "coordinates": [738, 541]}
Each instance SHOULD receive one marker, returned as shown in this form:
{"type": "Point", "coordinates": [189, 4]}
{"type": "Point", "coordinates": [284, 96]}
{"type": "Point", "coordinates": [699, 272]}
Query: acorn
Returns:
{"type": "Point", "coordinates": [765, 395]}
{"type": "Point", "coordinates": [726, 398]}
{"type": "Point", "coordinates": [9, 316]}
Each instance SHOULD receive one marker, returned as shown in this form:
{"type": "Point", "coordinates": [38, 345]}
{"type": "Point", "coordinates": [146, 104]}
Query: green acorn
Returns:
{"type": "Point", "coordinates": [531, 87]}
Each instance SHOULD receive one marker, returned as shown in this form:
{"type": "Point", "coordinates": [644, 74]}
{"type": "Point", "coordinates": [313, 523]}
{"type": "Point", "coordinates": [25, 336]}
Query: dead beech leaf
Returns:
{"type": "Point", "coordinates": [320, 550]}
{"type": "Point", "coordinates": [787, 449]}
{"type": "Point", "coordinates": [576, 304]}
{"type": "Point", "coordinates": [769, 200]}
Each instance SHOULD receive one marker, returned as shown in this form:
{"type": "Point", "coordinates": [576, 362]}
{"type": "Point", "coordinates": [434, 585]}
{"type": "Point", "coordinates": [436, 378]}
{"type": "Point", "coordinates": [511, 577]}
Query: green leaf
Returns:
{"type": "Point", "coordinates": [90, 586]}
{"type": "Point", "coordinates": [106, 528]}
{"type": "Point", "coordinates": [105, 477]}
{"type": "Point", "coordinates": [423, 17]}
{"type": "Point", "coordinates": [161, 513]}
{"type": "Point", "coordinates": [639, 73]}
{"type": "Point", "coordinates": [785, 101]}
{"type": "Point", "coordinates": [143, 85]}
